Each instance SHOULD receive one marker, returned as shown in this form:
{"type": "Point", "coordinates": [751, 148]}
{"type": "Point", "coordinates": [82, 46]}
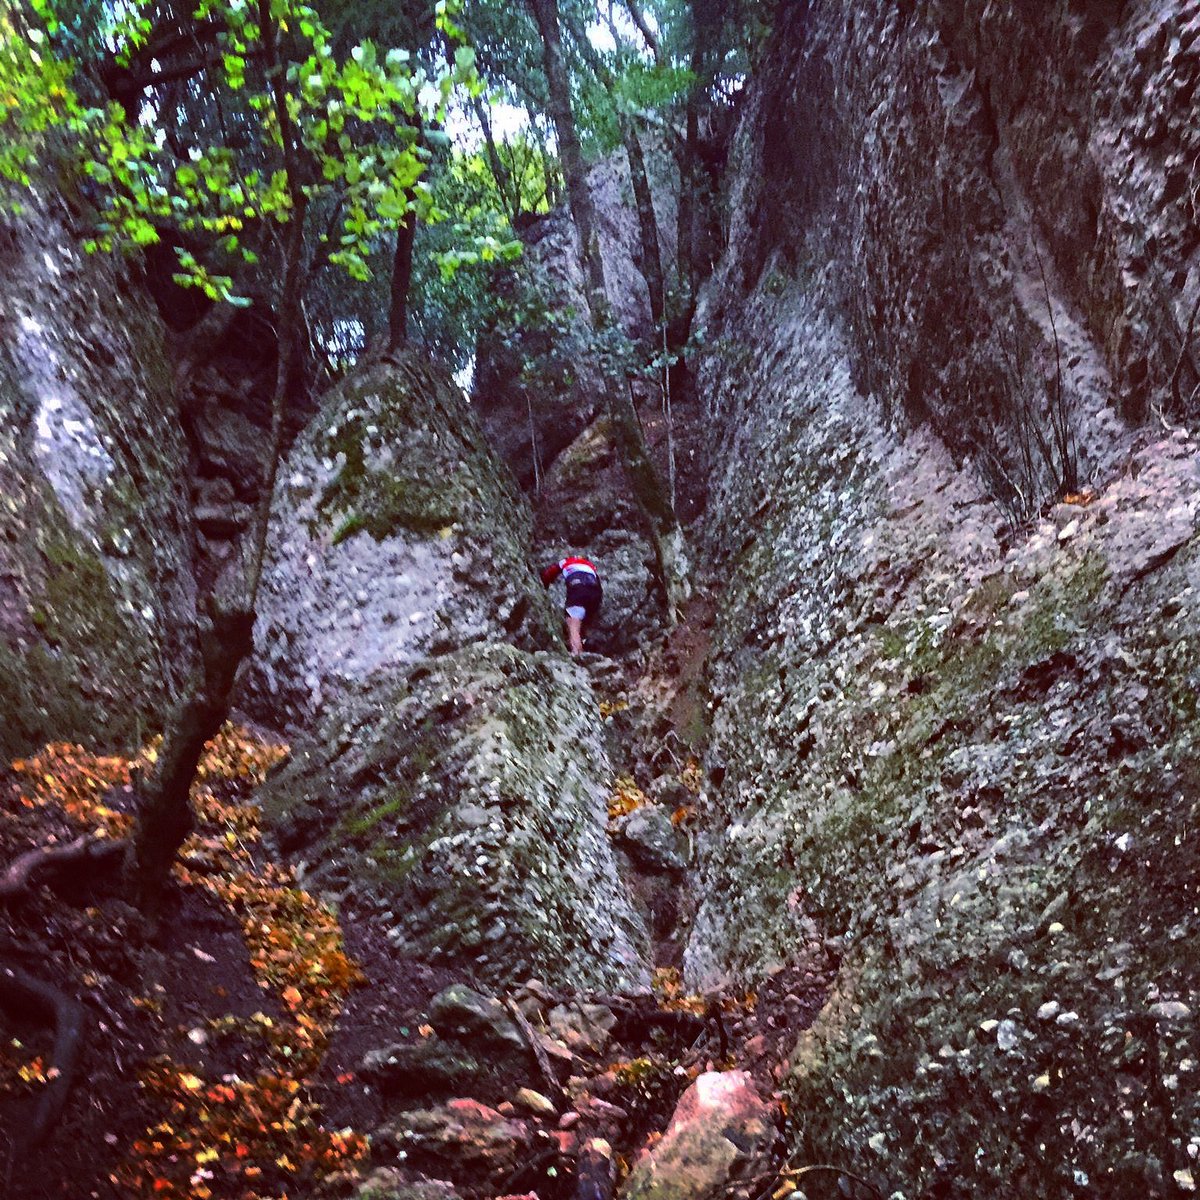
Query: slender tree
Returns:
{"type": "Point", "coordinates": [650, 258]}
{"type": "Point", "coordinates": [652, 497]}
{"type": "Point", "coordinates": [290, 128]}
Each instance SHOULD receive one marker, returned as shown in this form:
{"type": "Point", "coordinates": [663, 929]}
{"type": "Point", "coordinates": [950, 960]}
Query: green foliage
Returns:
{"type": "Point", "coordinates": [648, 92]}
{"type": "Point", "coordinates": [460, 248]}
{"type": "Point", "coordinates": [298, 123]}
{"type": "Point", "coordinates": [464, 243]}
{"type": "Point", "coordinates": [36, 94]}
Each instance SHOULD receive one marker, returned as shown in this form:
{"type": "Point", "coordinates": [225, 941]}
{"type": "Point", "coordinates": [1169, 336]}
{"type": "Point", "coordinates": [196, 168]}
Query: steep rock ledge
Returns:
{"type": "Point", "coordinates": [395, 535]}
{"type": "Point", "coordinates": [970, 770]}
{"type": "Point", "coordinates": [462, 806]}
{"type": "Point", "coordinates": [958, 751]}
{"type": "Point", "coordinates": [96, 591]}
{"type": "Point", "coordinates": [1004, 190]}
{"type": "Point", "coordinates": [444, 782]}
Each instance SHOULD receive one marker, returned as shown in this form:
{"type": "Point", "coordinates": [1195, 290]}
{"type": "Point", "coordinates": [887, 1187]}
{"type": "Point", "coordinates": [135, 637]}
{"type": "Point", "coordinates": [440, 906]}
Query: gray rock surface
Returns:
{"type": "Point", "coordinates": [585, 508]}
{"type": "Point", "coordinates": [460, 1137]}
{"type": "Point", "coordinates": [430, 1067]}
{"type": "Point", "coordinates": [445, 781]}
{"type": "Point", "coordinates": [463, 804]}
{"type": "Point", "coordinates": [96, 593]}
{"type": "Point", "coordinates": [582, 1026]}
{"type": "Point", "coordinates": [953, 748]}
{"type": "Point", "coordinates": [395, 536]}
{"type": "Point", "coordinates": [535, 418]}
{"type": "Point", "coordinates": [465, 1014]}
{"type": "Point", "coordinates": [1001, 190]}
{"type": "Point", "coordinates": [391, 1183]}
{"type": "Point", "coordinates": [650, 839]}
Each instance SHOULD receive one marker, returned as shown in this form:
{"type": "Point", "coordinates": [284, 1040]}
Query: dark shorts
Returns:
{"type": "Point", "coordinates": [583, 595]}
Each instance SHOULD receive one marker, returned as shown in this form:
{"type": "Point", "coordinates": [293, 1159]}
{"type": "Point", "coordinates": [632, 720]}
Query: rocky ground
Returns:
{"type": "Point", "coordinates": [249, 1041]}
{"type": "Point", "coordinates": [875, 876]}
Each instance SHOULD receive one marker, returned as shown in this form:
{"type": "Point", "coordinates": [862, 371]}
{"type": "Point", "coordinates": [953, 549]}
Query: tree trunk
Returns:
{"type": "Point", "coordinates": [225, 634]}
{"type": "Point", "coordinates": [648, 489]}
{"type": "Point", "coordinates": [639, 19]}
{"type": "Point", "coordinates": [708, 20]}
{"type": "Point", "coordinates": [685, 213]}
{"type": "Point", "coordinates": [651, 254]}
{"type": "Point", "coordinates": [512, 203]}
{"type": "Point", "coordinates": [402, 264]}
{"type": "Point", "coordinates": [570, 154]}
{"type": "Point", "coordinates": [165, 811]}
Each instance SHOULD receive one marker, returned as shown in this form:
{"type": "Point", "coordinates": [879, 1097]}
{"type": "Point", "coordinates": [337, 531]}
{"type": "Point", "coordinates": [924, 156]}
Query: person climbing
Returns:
{"type": "Point", "coordinates": [583, 595]}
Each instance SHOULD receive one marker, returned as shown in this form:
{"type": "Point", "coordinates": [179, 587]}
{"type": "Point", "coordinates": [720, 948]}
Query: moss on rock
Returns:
{"type": "Point", "coordinates": [464, 801]}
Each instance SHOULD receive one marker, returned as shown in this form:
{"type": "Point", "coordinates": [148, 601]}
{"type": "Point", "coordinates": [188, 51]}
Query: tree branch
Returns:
{"type": "Point", "coordinates": [536, 1048]}
{"type": "Point", "coordinates": [639, 19]}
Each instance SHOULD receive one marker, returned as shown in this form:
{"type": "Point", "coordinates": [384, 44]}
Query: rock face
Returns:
{"type": "Point", "coordinates": [1003, 191]}
{"type": "Point", "coordinates": [448, 782]}
{"type": "Point", "coordinates": [462, 805]}
{"type": "Point", "coordinates": [531, 420]}
{"type": "Point", "coordinates": [585, 507]}
{"type": "Point", "coordinates": [395, 536]}
{"type": "Point", "coordinates": [471, 1134]}
{"type": "Point", "coordinates": [956, 748]}
{"type": "Point", "coordinates": [96, 594]}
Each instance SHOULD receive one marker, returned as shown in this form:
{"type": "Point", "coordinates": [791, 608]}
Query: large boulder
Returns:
{"type": "Point", "coordinates": [97, 601]}
{"type": "Point", "coordinates": [447, 778]}
{"type": "Point", "coordinates": [721, 1130]}
{"type": "Point", "coordinates": [462, 804]}
{"type": "Point", "coordinates": [394, 535]}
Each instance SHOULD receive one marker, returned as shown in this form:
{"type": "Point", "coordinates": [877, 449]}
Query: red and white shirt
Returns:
{"type": "Point", "coordinates": [567, 567]}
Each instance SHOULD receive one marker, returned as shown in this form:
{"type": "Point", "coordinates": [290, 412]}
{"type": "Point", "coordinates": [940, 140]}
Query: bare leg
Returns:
{"type": "Point", "coordinates": [575, 635]}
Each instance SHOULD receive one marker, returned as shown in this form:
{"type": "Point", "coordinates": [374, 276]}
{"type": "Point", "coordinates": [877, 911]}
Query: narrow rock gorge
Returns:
{"type": "Point", "coordinates": [871, 870]}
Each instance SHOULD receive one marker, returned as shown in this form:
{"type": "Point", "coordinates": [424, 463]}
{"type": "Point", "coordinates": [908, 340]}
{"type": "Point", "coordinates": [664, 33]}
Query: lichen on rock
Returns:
{"type": "Point", "coordinates": [96, 592]}
{"type": "Point", "coordinates": [462, 804]}
{"type": "Point", "coordinates": [954, 748]}
{"type": "Point", "coordinates": [395, 535]}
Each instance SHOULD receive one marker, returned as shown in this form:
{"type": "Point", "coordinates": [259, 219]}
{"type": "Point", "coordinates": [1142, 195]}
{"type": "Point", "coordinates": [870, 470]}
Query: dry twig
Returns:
{"type": "Point", "coordinates": [538, 1050]}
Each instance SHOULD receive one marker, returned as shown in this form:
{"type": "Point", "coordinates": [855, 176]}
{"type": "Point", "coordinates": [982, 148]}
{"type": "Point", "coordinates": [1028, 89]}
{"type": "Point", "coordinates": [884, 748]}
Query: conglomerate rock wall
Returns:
{"type": "Point", "coordinates": [954, 706]}
{"type": "Point", "coordinates": [396, 535]}
{"type": "Point", "coordinates": [532, 416]}
{"type": "Point", "coordinates": [97, 600]}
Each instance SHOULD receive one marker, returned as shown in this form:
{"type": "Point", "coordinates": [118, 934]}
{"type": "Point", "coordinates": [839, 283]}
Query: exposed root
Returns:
{"type": "Point", "coordinates": [23, 873]}
{"type": "Point", "coordinates": [23, 993]}
{"type": "Point", "coordinates": [787, 1179]}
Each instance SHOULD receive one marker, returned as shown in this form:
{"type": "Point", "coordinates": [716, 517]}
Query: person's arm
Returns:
{"type": "Point", "coordinates": [551, 573]}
